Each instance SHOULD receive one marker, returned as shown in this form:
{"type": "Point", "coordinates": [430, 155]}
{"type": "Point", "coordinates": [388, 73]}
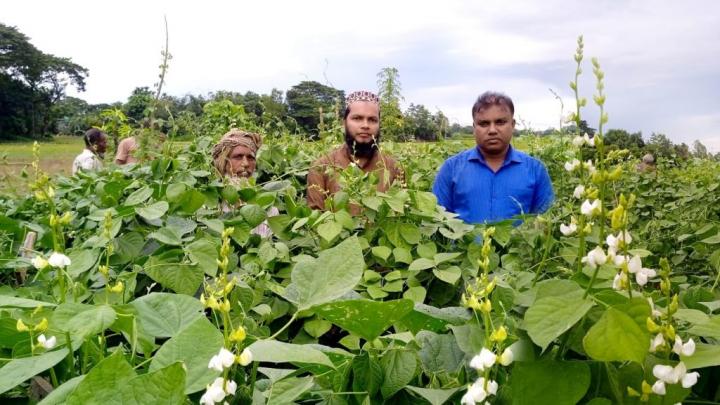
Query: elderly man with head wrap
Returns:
{"type": "Point", "coordinates": [234, 158]}
{"type": "Point", "coordinates": [361, 120]}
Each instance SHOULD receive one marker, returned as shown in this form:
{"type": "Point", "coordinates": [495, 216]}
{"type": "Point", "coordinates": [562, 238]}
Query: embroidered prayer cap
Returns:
{"type": "Point", "coordinates": [362, 95]}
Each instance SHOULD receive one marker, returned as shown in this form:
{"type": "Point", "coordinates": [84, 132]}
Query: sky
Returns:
{"type": "Point", "coordinates": [661, 58]}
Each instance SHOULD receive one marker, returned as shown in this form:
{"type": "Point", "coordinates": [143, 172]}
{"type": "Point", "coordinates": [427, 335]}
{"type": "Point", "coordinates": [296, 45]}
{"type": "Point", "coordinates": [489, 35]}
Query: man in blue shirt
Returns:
{"type": "Point", "coordinates": [493, 181]}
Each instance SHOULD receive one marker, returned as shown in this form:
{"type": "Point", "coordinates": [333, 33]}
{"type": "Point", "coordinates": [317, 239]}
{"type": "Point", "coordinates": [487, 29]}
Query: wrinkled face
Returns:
{"type": "Point", "coordinates": [363, 122]}
{"type": "Point", "coordinates": [493, 128]}
{"type": "Point", "coordinates": [242, 161]}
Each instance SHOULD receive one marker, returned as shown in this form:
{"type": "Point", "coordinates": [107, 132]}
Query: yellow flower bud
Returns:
{"type": "Point", "coordinates": [673, 307]}
{"type": "Point", "coordinates": [615, 174]}
{"type": "Point", "coordinates": [42, 326]}
{"type": "Point", "coordinates": [490, 287]}
{"type": "Point", "coordinates": [212, 303]}
{"type": "Point", "coordinates": [21, 327]}
{"type": "Point", "coordinates": [117, 288]}
{"type": "Point", "coordinates": [50, 192]}
{"type": "Point", "coordinates": [670, 333]}
{"type": "Point", "coordinates": [646, 388]}
{"type": "Point", "coordinates": [104, 270]}
{"type": "Point", "coordinates": [66, 218]}
{"type": "Point", "coordinates": [238, 335]}
{"type": "Point", "coordinates": [665, 286]}
{"type": "Point", "coordinates": [229, 286]}
{"type": "Point", "coordinates": [632, 392]}
{"type": "Point", "coordinates": [651, 325]}
{"type": "Point", "coordinates": [499, 335]}
{"type": "Point", "coordinates": [53, 220]}
{"type": "Point", "coordinates": [471, 302]}
{"type": "Point", "coordinates": [224, 306]}
{"type": "Point", "coordinates": [486, 306]}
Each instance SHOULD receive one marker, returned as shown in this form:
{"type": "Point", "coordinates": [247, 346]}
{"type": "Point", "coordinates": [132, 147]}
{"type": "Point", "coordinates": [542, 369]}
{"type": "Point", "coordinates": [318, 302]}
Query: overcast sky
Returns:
{"type": "Point", "coordinates": [661, 58]}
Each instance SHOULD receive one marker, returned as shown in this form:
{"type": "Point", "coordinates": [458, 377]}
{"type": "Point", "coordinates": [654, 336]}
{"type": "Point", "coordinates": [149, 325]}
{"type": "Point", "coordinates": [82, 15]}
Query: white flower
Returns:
{"type": "Point", "coordinates": [656, 342]}
{"type": "Point", "coordinates": [59, 260]}
{"type": "Point", "coordinates": [579, 191]}
{"type": "Point", "coordinates": [622, 239]}
{"type": "Point", "coordinates": [686, 349]}
{"type": "Point", "coordinates": [589, 166]}
{"type": "Point", "coordinates": [568, 230]}
{"type": "Point", "coordinates": [574, 164]}
{"type": "Point", "coordinates": [620, 259]}
{"type": "Point", "coordinates": [484, 360]}
{"type": "Point", "coordinates": [634, 264]}
{"type": "Point", "coordinates": [47, 343]}
{"type": "Point", "coordinates": [659, 387]}
{"type": "Point", "coordinates": [618, 281]}
{"type": "Point", "coordinates": [578, 141]}
{"type": "Point", "coordinates": [690, 379]}
{"type": "Point", "coordinates": [245, 358]}
{"type": "Point", "coordinates": [213, 394]}
{"type": "Point", "coordinates": [224, 359]}
{"type": "Point", "coordinates": [507, 357]}
{"type": "Point", "coordinates": [39, 262]}
{"type": "Point", "coordinates": [590, 208]}
{"type": "Point", "coordinates": [653, 312]}
{"type": "Point", "coordinates": [595, 258]}
{"type": "Point", "coordinates": [643, 275]}
{"type": "Point", "coordinates": [477, 392]}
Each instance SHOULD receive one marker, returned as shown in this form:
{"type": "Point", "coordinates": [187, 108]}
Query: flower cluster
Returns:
{"type": "Point", "coordinates": [221, 362]}
{"type": "Point", "coordinates": [217, 391]}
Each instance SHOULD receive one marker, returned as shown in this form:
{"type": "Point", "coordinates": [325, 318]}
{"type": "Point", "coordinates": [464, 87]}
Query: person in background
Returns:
{"type": "Point", "coordinates": [234, 158]}
{"type": "Point", "coordinates": [493, 181]}
{"type": "Point", "coordinates": [361, 120]}
{"type": "Point", "coordinates": [125, 151]}
{"type": "Point", "coordinates": [91, 157]}
{"type": "Point", "coordinates": [647, 165]}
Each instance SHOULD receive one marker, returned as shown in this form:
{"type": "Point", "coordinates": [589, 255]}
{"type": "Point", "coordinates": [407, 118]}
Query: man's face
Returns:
{"type": "Point", "coordinates": [242, 161]}
{"type": "Point", "coordinates": [101, 145]}
{"type": "Point", "coordinates": [363, 122]}
{"type": "Point", "coordinates": [493, 127]}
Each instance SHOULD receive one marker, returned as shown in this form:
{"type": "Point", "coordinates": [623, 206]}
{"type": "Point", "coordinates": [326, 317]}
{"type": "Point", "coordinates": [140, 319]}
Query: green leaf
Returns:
{"type": "Point", "coordinates": [138, 196]}
{"type": "Point", "coordinates": [164, 386]}
{"type": "Point", "coordinates": [165, 314]}
{"type": "Point", "coordinates": [128, 246]}
{"type": "Point", "coordinates": [444, 257]}
{"type": "Point", "coordinates": [381, 252]}
{"type": "Point", "coordinates": [184, 347]}
{"type": "Point", "coordinates": [183, 278]}
{"type": "Point", "coordinates": [317, 327]}
{"type": "Point", "coordinates": [102, 385]}
{"type": "Point", "coordinates": [398, 370]}
{"type": "Point", "coordinates": [710, 328]}
{"type": "Point", "coordinates": [278, 352]}
{"type": "Point", "coordinates": [417, 294]}
{"type": "Point", "coordinates": [287, 390]}
{"type": "Point", "coordinates": [59, 395]}
{"type": "Point", "coordinates": [712, 240]}
{"type": "Point", "coordinates": [82, 261]}
{"type": "Point", "coordinates": [434, 396]}
{"type": "Point", "coordinates": [153, 211]}
{"type": "Point", "coordinates": [530, 382]}
{"type": "Point", "coordinates": [617, 337]}
{"type": "Point", "coordinates": [16, 371]}
{"type": "Point", "coordinates": [421, 264]}
{"type": "Point", "coordinates": [470, 338]}
{"type": "Point", "coordinates": [450, 275]}
{"type": "Point", "coordinates": [427, 250]}
{"type": "Point", "coordinates": [175, 192]}
{"type": "Point", "coordinates": [410, 233]}
{"type": "Point", "coordinates": [439, 353]}
{"type": "Point", "coordinates": [335, 272]}
{"type": "Point", "coordinates": [426, 317]}
{"type": "Point", "coordinates": [253, 214]}
{"type": "Point", "coordinates": [365, 318]}
{"type": "Point", "coordinates": [17, 302]}
{"type": "Point", "coordinates": [203, 253]}
{"type": "Point", "coordinates": [367, 374]}
{"type": "Point", "coordinates": [192, 201]}
{"type": "Point", "coordinates": [329, 230]}
{"type": "Point", "coordinates": [168, 236]}
{"type": "Point", "coordinates": [88, 323]}
{"type": "Point", "coordinates": [551, 316]}
{"type": "Point", "coordinates": [705, 356]}
{"type": "Point", "coordinates": [425, 201]}
{"type": "Point", "coordinates": [402, 255]}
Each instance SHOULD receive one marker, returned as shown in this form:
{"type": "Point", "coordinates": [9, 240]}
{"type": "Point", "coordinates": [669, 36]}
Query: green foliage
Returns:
{"type": "Point", "coordinates": [306, 100]}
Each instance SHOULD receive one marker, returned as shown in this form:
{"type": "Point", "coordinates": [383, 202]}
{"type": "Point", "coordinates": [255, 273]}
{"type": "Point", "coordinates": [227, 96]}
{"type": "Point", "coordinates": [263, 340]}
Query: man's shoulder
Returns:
{"type": "Point", "coordinates": [524, 157]}
{"type": "Point", "coordinates": [128, 142]}
{"type": "Point", "coordinates": [461, 156]}
{"type": "Point", "coordinates": [329, 158]}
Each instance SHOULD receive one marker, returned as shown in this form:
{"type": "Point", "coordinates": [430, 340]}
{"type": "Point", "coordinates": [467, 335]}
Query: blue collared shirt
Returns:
{"type": "Point", "coordinates": [467, 186]}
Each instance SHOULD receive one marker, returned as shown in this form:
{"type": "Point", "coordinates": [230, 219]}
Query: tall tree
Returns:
{"type": "Point", "coordinates": [31, 82]}
{"type": "Point", "coordinates": [308, 99]}
{"type": "Point", "coordinates": [392, 121]}
{"type": "Point", "coordinates": [420, 123]}
{"type": "Point", "coordinates": [139, 103]}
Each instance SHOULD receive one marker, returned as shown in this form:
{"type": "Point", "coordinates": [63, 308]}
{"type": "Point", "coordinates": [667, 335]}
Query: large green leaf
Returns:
{"type": "Point", "coordinates": [82, 260]}
{"type": "Point", "coordinates": [103, 383]}
{"type": "Point", "coordinates": [87, 323]}
{"type": "Point", "coordinates": [365, 318]}
{"type": "Point", "coordinates": [153, 211]}
{"type": "Point", "coordinates": [138, 196]}
{"type": "Point", "coordinates": [166, 235]}
{"type": "Point", "coordinates": [705, 355]}
{"type": "Point", "coordinates": [367, 374]}
{"type": "Point", "coordinates": [439, 352]}
{"type": "Point", "coordinates": [287, 390]}
{"type": "Point", "coordinates": [426, 317]}
{"type": "Point", "coordinates": [59, 395]}
{"type": "Point", "coordinates": [280, 352]}
{"type": "Point", "coordinates": [550, 317]}
{"type": "Point", "coordinates": [434, 396]}
{"type": "Point", "coordinates": [164, 314]}
{"type": "Point", "coordinates": [184, 347]}
{"type": "Point", "coordinates": [617, 337]}
{"type": "Point", "coordinates": [17, 302]}
{"type": "Point", "coordinates": [170, 272]}
{"type": "Point", "coordinates": [398, 370]}
{"type": "Point", "coordinates": [549, 382]}
{"type": "Point", "coordinates": [16, 371]}
{"type": "Point", "coordinates": [710, 328]}
{"type": "Point", "coordinates": [329, 230]}
{"type": "Point", "coordinates": [204, 254]}
{"type": "Point", "coordinates": [164, 386]}
{"type": "Point", "coordinates": [334, 273]}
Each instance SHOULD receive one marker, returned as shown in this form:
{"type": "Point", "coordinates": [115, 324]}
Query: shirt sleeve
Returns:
{"type": "Point", "coordinates": [316, 188]}
{"type": "Point", "coordinates": [442, 188]}
{"type": "Point", "coordinates": [544, 195]}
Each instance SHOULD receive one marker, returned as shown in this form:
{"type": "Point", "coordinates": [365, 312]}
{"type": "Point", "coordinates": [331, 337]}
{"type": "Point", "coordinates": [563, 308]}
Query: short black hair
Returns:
{"type": "Point", "coordinates": [93, 136]}
{"type": "Point", "coordinates": [491, 98]}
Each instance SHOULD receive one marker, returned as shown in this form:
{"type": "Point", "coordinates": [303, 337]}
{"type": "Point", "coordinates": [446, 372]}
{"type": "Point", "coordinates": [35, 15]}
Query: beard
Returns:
{"type": "Point", "coordinates": [362, 150]}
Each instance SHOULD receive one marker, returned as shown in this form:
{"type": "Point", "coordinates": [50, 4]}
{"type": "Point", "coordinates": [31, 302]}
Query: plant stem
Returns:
{"type": "Point", "coordinates": [284, 327]}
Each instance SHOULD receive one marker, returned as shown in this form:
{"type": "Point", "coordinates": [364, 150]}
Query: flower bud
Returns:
{"type": "Point", "coordinates": [499, 335]}
{"type": "Point", "coordinates": [245, 357]}
{"type": "Point", "coordinates": [50, 192]}
{"type": "Point", "coordinates": [66, 218]}
{"type": "Point", "coordinates": [673, 307]}
{"type": "Point", "coordinates": [486, 306]}
{"type": "Point", "coordinates": [652, 327]}
{"type": "Point", "coordinates": [117, 288]}
{"type": "Point", "coordinates": [238, 335]}
{"type": "Point", "coordinates": [224, 306]}
{"type": "Point", "coordinates": [53, 220]}
{"type": "Point", "coordinates": [21, 327]}
{"type": "Point", "coordinates": [42, 326]}
{"type": "Point", "coordinates": [670, 333]}
{"type": "Point", "coordinates": [104, 270]}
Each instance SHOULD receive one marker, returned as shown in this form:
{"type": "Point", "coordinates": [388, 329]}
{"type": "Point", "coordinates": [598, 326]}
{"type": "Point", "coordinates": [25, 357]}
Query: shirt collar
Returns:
{"type": "Point", "coordinates": [511, 156]}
